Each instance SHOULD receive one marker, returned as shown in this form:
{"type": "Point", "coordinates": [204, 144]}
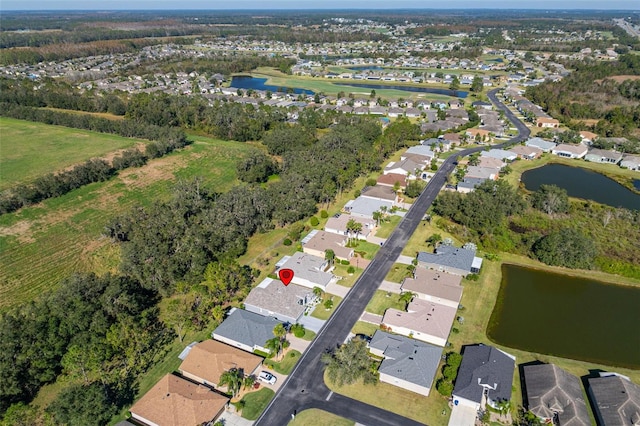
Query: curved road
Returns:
{"type": "Point", "coordinates": [305, 387]}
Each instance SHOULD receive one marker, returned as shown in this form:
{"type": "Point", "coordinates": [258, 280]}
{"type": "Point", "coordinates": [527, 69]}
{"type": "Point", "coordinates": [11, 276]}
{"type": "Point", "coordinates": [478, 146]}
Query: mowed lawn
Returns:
{"type": "Point", "coordinates": [42, 244]}
{"type": "Point", "coordinates": [30, 150]}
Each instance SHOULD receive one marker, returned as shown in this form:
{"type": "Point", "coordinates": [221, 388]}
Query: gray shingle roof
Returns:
{"type": "Point", "coordinates": [247, 328]}
{"type": "Point", "coordinates": [484, 365]}
{"type": "Point", "coordinates": [407, 359]}
{"type": "Point", "coordinates": [453, 257]}
{"type": "Point", "coordinates": [617, 400]}
{"type": "Point", "coordinates": [551, 390]}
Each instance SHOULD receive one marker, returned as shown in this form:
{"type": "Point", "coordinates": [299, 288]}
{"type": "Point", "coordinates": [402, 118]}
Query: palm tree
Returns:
{"type": "Point", "coordinates": [503, 406]}
{"type": "Point", "coordinates": [248, 381]}
{"type": "Point", "coordinates": [406, 297]}
{"type": "Point", "coordinates": [329, 256]}
{"type": "Point", "coordinates": [232, 379]}
{"type": "Point", "coordinates": [318, 292]}
{"type": "Point", "coordinates": [274, 345]}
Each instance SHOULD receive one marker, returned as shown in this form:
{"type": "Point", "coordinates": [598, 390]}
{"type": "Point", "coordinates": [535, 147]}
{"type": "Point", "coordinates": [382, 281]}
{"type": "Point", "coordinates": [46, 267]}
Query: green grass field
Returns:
{"type": "Point", "coordinates": [44, 243]}
{"type": "Point", "coordinates": [381, 301]}
{"type": "Point", "coordinates": [286, 364]}
{"type": "Point", "coordinates": [33, 149]}
{"type": "Point", "coordinates": [315, 417]}
{"type": "Point", "coordinates": [256, 402]}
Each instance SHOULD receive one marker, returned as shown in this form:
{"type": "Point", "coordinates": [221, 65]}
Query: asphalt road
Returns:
{"type": "Point", "coordinates": [305, 387]}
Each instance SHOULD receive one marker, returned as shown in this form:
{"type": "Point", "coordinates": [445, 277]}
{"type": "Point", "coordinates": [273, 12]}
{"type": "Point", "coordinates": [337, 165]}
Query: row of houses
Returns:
{"type": "Point", "coordinates": [582, 150]}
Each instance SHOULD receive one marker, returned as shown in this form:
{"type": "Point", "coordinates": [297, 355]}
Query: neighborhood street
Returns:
{"type": "Point", "coordinates": [305, 387]}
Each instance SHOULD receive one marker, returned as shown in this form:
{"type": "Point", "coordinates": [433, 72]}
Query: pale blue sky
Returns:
{"type": "Point", "coordinates": [311, 4]}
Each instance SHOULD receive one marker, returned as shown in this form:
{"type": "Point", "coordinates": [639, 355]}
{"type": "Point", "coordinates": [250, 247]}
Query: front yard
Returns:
{"type": "Point", "coordinates": [387, 226]}
{"type": "Point", "coordinates": [382, 300]}
{"type": "Point", "coordinates": [256, 402]}
{"type": "Point", "coordinates": [286, 364]}
{"type": "Point", "coordinates": [316, 417]}
{"type": "Point", "coordinates": [321, 312]}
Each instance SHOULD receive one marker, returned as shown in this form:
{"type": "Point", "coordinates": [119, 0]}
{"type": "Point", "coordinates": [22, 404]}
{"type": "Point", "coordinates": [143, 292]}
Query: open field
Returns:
{"type": "Point", "coordinates": [33, 149]}
{"type": "Point", "coordinates": [316, 417]}
{"type": "Point", "coordinates": [44, 243]}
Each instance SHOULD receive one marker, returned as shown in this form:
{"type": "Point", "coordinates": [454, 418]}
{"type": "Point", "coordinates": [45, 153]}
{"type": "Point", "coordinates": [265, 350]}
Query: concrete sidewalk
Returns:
{"type": "Point", "coordinates": [337, 289]}
{"type": "Point", "coordinates": [390, 286]}
{"type": "Point", "coordinates": [406, 260]}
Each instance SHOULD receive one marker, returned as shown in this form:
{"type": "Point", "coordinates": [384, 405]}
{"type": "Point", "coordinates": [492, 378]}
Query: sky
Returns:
{"type": "Point", "coordinates": [312, 4]}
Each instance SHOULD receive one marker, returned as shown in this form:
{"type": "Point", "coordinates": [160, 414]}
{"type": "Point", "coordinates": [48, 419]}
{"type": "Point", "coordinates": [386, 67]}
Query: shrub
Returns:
{"type": "Point", "coordinates": [444, 387]}
{"type": "Point", "coordinates": [344, 262]}
{"type": "Point", "coordinates": [351, 270]}
{"type": "Point", "coordinates": [297, 330]}
{"type": "Point", "coordinates": [287, 242]}
{"type": "Point", "coordinates": [314, 221]}
{"type": "Point", "coordinates": [371, 182]}
{"type": "Point", "coordinates": [324, 214]}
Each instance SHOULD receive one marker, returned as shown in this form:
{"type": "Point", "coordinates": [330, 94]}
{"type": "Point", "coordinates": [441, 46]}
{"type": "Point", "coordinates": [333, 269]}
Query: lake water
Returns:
{"type": "Point", "coordinates": [636, 184]}
{"type": "Point", "coordinates": [367, 68]}
{"type": "Point", "coordinates": [246, 82]}
{"type": "Point", "coordinates": [446, 92]}
{"type": "Point", "coordinates": [568, 317]}
{"type": "Point", "coordinates": [582, 183]}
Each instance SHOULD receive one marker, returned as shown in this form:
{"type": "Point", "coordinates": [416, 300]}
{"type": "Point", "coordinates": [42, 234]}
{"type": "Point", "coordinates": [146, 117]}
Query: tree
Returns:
{"type": "Point", "coordinates": [274, 346]}
{"type": "Point", "coordinates": [444, 387]}
{"type": "Point", "coordinates": [377, 216]}
{"type": "Point", "coordinates": [551, 199]}
{"type": "Point", "coordinates": [83, 405]}
{"type": "Point", "coordinates": [434, 239]}
{"type": "Point", "coordinates": [504, 405]}
{"type": "Point", "coordinates": [477, 84]}
{"type": "Point", "coordinates": [298, 330]}
{"type": "Point", "coordinates": [248, 381]}
{"type": "Point", "coordinates": [455, 83]}
{"type": "Point", "coordinates": [406, 298]}
{"type": "Point", "coordinates": [257, 167]}
{"type": "Point", "coordinates": [414, 188]}
{"type": "Point", "coordinates": [353, 227]}
{"type": "Point", "coordinates": [350, 363]}
{"type": "Point", "coordinates": [233, 380]}
{"type": "Point", "coordinates": [566, 247]}
{"type": "Point", "coordinates": [328, 304]}
{"type": "Point", "coordinates": [318, 292]}
{"type": "Point", "coordinates": [329, 256]}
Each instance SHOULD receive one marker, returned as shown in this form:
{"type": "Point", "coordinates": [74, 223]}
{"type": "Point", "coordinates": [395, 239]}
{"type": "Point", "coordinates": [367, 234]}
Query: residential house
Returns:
{"type": "Point", "coordinates": [570, 151]}
{"type": "Point", "coordinates": [406, 167]}
{"type": "Point", "coordinates": [207, 360]}
{"type": "Point", "coordinates": [491, 162]}
{"type": "Point", "coordinates": [419, 154]}
{"type": "Point", "coordinates": [338, 225]}
{"type": "Point", "coordinates": [588, 137]}
{"type": "Point", "coordinates": [364, 207]}
{"type": "Point", "coordinates": [174, 401]}
{"type": "Point", "coordinates": [424, 320]}
{"type": "Point", "coordinates": [412, 112]}
{"type": "Point", "coordinates": [631, 162]}
{"type": "Point", "coordinates": [408, 363]}
{"type": "Point", "coordinates": [454, 260]}
{"type": "Point", "coordinates": [526, 152]}
{"type": "Point", "coordinates": [391, 179]}
{"type": "Point", "coordinates": [553, 394]}
{"type": "Point", "coordinates": [546, 122]}
{"type": "Point", "coordinates": [468, 184]}
{"type": "Point", "coordinates": [484, 173]}
{"type": "Point", "coordinates": [615, 400]}
{"type": "Point", "coordinates": [246, 330]}
{"type": "Point", "coordinates": [540, 143]}
{"type": "Point", "coordinates": [434, 286]}
{"type": "Point", "coordinates": [603, 156]}
{"type": "Point", "coordinates": [485, 372]}
{"type": "Point", "coordinates": [482, 105]}
{"type": "Point", "coordinates": [318, 242]}
{"type": "Point", "coordinates": [451, 137]}
{"type": "Point", "coordinates": [500, 154]}
{"type": "Point", "coordinates": [309, 271]}
{"type": "Point", "coordinates": [285, 303]}
{"type": "Point", "coordinates": [380, 193]}
{"type": "Point", "coordinates": [480, 135]}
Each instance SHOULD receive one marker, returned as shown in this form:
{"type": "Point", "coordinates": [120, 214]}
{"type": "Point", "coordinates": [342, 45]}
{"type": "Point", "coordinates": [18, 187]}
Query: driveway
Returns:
{"type": "Point", "coordinates": [376, 240]}
{"type": "Point", "coordinates": [337, 289]}
{"type": "Point", "coordinates": [406, 260]}
{"type": "Point", "coordinates": [390, 286]}
{"type": "Point", "coordinates": [297, 343]}
{"type": "Point", "coordinates": [312, 323]}
{"type": "Point", "coordinates": [230, 419]}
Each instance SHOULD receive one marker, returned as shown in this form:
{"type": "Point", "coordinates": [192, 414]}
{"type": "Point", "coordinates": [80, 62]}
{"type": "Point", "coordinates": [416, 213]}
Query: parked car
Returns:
{"type": "Point", "coordinates": [267, 377]}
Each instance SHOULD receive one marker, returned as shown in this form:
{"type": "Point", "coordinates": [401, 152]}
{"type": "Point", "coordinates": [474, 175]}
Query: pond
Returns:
{"type": "Point", "coordinates": [247, 82]}
{"type": "Point", "coordinates": [568, 317]}
{"type": "Point", "coordinates": [446, 92]}
{"type": "Point", "coordinates": [367, 68]}
{"type": "Point", "coordinates": [636, 184]}
{"type": "Point", "coordinates": [582, 183]}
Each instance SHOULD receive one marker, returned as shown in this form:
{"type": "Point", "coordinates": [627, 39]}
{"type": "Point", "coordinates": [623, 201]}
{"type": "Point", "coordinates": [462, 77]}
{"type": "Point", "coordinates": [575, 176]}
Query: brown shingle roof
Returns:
{"type": "Point", "coordinates": [209, 359]}
{"type": "Point", "coordinates": [174, 401]}
{"type": "Point", "coordinates": [391, 179]}
{"type": "Point", "coordinates": [435, 283]}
